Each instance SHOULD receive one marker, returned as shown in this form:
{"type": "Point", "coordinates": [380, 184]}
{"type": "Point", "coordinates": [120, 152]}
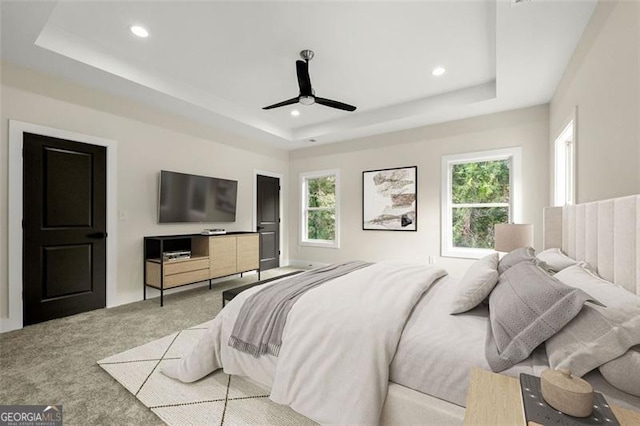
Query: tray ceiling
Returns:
{"type": "Point", "coordinates": [221, 62]}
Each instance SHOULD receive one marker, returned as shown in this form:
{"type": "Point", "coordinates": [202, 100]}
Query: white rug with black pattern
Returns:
{"type": "Point", "coordinates": [218, 399]}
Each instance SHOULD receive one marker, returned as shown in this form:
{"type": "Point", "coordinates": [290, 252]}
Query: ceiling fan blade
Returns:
{"type": "Point", "coordinates": [335, 104]}
{"type": "Point", "coordinates": [304, 81]}
{"type": "Point", "coordinates": [283, 103]}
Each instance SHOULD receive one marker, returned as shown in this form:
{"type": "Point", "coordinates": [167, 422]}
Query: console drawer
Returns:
{"type": "Point", "coordinates": [187, 265]}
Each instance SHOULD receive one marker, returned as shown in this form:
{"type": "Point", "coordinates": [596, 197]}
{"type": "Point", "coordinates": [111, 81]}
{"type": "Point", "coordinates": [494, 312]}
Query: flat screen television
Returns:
{"type": "Point", "coordinates": [190, 198]}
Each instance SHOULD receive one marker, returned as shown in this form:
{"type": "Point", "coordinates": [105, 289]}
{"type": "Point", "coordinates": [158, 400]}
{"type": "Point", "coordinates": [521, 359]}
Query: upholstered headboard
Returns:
{"type": "Point", "coordinates": [604, 233]}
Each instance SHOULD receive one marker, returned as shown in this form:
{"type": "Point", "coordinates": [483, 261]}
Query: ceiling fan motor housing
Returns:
{"type": "Point", "coordinates": [307, 100]}
{"type": "Point", "coordinates": [306, 54]}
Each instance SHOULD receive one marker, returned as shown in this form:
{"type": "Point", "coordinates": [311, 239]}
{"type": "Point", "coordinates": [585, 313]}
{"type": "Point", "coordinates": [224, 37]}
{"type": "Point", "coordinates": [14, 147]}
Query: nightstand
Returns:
{"type": "Point", "coordinates": [494, 399]}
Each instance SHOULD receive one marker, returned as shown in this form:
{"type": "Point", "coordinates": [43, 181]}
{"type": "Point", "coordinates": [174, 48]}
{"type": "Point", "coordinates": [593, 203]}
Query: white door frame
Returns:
{"type": "Point", "coordinates": [255, 204]}
{"type": "Point", "coordinates": [16, 130]}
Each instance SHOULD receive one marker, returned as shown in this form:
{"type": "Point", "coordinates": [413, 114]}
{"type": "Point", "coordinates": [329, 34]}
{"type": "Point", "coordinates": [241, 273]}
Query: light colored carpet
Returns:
{"type": "Point", "coordinates": [55, 362]}
{"type": "Point", "coordinates": [218, 399]}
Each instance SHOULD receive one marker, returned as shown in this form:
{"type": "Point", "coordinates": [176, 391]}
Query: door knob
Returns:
{"type": "Point", "coordinates": [259, 228]}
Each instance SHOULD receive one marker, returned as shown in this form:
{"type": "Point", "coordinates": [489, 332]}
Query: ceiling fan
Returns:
{"type": "Point", "coordinates": [307, 95]}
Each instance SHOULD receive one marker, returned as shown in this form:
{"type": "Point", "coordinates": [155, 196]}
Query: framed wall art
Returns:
{"type": "Point", "coordinates": [390, 199]}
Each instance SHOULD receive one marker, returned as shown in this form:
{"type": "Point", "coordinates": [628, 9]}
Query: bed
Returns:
{"type": "Point", "coordinates": [429, 375]}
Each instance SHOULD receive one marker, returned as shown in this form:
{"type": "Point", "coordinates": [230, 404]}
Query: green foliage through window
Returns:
{"type": "Point", "coordinates": [321, 225]}
{"type": "Point", "coordinates": [473, 227]}
{"type": "Point", "coordinates": [320, 209]}
{"type": "Point", "coordinates": [480, 196]}
{"type": "Point", "coordinates": [481, 182]}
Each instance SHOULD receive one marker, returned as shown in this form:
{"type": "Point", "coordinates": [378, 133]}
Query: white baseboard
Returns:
{"type": "Point", "coordinates": [300, 263]}
{"type": "Point", "coordinates": [9, 324]}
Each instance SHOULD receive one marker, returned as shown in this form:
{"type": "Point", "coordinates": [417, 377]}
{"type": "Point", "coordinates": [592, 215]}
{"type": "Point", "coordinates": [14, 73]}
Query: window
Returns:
{"type": "Point", "coordinates": [320, 208]}
{"type": "Point", "coordinates": [479, 190]}
{"type": "Point", "coordinates": [564, 166]}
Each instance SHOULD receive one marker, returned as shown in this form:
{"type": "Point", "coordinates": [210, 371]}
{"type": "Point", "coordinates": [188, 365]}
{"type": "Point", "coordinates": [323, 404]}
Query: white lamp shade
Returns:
{"type": "Point", "coordinates": [510, 236]}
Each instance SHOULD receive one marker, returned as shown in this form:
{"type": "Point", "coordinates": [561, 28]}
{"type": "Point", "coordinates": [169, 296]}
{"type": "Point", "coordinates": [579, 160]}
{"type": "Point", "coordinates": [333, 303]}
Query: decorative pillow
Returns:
{"type": "Point", "coordinates": [476, 284]}
{"type": "Point", "coordinates": [617, 371]}
{"type": "Point", "coordinates": [526, 308]}
{"type": "Point", "coordinates": [610, 294]}
{"type": "Point", "coordinates": [555, 259]}
{"type": "Point", "coordinates": [516, 256]}
{"type": "Point", "coordinates": [598, 334]}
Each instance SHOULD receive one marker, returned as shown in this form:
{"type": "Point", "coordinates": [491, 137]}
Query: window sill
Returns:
{"type": "Point", "coordinates": [320, 243]}
{"type": "Point", "coordinates": [467, 253]}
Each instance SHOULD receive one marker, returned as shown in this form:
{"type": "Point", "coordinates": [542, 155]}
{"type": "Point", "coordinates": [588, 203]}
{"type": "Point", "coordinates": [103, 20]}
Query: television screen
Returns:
{"type": "Point", "coordinates": [191, 198]}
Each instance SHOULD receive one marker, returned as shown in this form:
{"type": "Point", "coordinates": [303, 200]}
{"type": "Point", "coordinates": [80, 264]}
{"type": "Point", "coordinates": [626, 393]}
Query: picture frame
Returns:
{"type": "Point", "coordinates": [390, 199]}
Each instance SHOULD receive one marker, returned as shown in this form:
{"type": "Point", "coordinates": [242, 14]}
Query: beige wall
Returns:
{"type": "Point", "coordinates": [424, 147]}
{"type": "Point", "coordinates": [602, 82]}
{"type": "Point", "coordinates": [143, 150]}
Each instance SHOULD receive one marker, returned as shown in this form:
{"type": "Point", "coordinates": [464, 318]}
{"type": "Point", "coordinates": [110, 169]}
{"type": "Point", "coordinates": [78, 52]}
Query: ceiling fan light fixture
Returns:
{"type": "Point", "coordinates": [139, 31]}
{"type": "Point", "coordinates": [438, 71]}
{"type": "Point", "coordinates": [307, 100]}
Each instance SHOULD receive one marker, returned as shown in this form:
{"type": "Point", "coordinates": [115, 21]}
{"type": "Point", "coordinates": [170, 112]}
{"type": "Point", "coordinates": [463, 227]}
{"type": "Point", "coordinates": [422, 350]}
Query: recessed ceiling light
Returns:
{"type": "Point", "coordinates": [295, 113]}
{"type": "Point", "coordinates": [437, 71]}
{"type": "Point", "coordinates": [312, 140]}
{"type": "Point", "coordinates": [139, 31]}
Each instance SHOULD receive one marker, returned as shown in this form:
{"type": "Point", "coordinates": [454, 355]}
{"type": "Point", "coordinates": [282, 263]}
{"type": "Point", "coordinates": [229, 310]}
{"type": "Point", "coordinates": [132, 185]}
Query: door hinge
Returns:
{"type": "Point", "coordinates": [279, 252]}
{"type": "Point", "coordinates": [23, 223]}
{"type": "Point", "coordinates": [279, 188]}
{"type": "Point", "coordinates": [279, 220]}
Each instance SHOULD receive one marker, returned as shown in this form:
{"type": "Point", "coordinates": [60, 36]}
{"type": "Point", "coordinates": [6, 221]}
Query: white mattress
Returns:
{"type": "Point", "coordinates": [437, 350]}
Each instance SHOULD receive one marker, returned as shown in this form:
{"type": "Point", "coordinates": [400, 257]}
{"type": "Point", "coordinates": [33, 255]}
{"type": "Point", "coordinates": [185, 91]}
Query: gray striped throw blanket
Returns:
{"type": "Point", "coordinates": [259, 326]}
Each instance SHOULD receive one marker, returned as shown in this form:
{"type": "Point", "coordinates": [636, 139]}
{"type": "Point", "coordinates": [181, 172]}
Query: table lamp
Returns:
{"type": "Point", "coordinates": [510, 236]}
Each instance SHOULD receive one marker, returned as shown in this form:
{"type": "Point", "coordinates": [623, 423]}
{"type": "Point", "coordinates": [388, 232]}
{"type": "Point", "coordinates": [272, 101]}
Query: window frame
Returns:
{"type": "Point", "coordinates": [513, 154]}
{"type": "Point", "coordinates": [304, 195]}
{"type": "Point", "coordinates": [564, 160]}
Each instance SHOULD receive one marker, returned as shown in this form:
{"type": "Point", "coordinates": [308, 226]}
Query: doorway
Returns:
{"type": "Point", "coordinates": [268, 220]}
{"type": "Point", "coordinates": [14, 318]}
{"type": "Point", "coordinates": [64, 227]}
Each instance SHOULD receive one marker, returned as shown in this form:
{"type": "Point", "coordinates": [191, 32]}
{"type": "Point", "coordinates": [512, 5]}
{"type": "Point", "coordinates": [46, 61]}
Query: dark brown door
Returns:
{"type": "Point", "coordinates": [268, 214]}
{"type": "Point", "coordinates": [64, 258]}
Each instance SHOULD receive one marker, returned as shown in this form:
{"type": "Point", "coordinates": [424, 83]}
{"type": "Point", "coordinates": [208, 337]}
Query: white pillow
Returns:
{"type": "Point", "coordinates": [606, 292]}
{"type": "Point", "coordinates": [476, 284]}
{"type": "Point", "coordinates": [622, 372]}
{"type": "Point", "coordinates": [598, 334]}
{"type": "Point", "coordinates": [555, 259]}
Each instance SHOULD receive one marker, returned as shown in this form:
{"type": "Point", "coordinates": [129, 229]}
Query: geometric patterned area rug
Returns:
{"type": "Point", "coordinates": [218, 399]}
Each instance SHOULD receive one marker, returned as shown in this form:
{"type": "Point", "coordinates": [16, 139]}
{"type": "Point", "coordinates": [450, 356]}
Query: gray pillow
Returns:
{"type": "Point", "coordinates": [526, 307]}
{"type": "Point", "coordinates": [516, 256]}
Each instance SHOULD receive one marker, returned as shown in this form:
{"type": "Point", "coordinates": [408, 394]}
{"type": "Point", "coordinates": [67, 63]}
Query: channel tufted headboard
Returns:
{"type": "Point", "coordinates": [604, 233]}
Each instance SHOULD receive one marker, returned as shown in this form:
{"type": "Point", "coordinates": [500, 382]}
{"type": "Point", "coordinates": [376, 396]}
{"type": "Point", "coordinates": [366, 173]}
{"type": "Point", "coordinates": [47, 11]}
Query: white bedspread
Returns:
{"type": "Point", "coordinates": [438, 350]}
{"type": "Point", "coordinates": [338, 343]}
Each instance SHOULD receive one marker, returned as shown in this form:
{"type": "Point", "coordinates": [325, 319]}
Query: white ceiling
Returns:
{"type": "Point", "coordinates": [221, 62]}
